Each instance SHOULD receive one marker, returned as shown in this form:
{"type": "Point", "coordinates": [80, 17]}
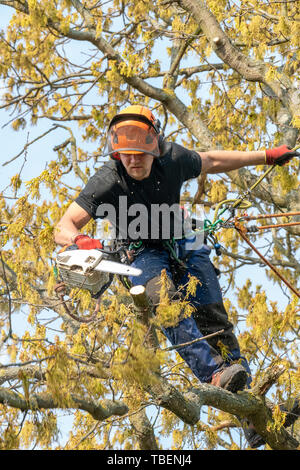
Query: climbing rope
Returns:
{"type": "Point", "coordinates": [269, 216]}
{"type": "Point", "coordinates": [242, 231]}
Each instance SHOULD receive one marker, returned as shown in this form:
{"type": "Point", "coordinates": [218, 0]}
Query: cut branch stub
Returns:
{"type": "Point", "coordinates": [144, 310]}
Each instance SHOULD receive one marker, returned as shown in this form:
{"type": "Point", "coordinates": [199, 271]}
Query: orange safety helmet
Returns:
{"type": "Point", "coordinates": [134, 130]}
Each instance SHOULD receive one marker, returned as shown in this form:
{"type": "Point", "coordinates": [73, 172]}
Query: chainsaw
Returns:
{"type": "Point", "coordinates": [92, 270]}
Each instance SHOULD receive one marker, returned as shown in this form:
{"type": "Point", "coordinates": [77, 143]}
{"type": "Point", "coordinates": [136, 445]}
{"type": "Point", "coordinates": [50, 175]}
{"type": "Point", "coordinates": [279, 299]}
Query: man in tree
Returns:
{"type": "Point", "coordinates": [148, 171]}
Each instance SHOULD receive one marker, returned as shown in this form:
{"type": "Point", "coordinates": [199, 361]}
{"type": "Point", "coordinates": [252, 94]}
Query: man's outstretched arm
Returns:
{"type": "Point", "coordinates": [221, 161]}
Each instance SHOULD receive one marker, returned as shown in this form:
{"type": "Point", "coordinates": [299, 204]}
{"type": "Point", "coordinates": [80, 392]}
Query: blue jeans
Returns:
{"type": "Point", "coordinates": [203, 357]}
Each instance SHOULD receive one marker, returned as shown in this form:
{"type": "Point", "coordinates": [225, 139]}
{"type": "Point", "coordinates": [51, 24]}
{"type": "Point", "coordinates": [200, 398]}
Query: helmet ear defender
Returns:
{"type": "Point", "coordinates": [161, 136]}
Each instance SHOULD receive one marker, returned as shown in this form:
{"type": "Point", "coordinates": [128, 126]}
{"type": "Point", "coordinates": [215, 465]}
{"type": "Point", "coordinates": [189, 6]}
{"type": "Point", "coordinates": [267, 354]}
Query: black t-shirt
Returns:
{"type": "Point", "coordinates": [139, 209]}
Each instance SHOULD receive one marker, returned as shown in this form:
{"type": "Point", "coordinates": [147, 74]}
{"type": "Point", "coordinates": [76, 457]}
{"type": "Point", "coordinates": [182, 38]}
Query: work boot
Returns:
{"type": "Point", "coordinates": [232, 378]}
{"type": "Point", "coordinates": [255, 440]}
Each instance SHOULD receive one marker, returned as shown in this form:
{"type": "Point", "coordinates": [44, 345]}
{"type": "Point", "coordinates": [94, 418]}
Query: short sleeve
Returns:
{"type": "Point", "coordinates": [86, 199]}
{"type": "Point", "coordinates": [192, 165]}
{"type": "Point", "coordinates": [188, 161]}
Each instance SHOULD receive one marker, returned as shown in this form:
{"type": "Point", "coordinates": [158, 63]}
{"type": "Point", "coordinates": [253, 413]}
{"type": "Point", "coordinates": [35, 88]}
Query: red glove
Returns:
{"type": "Point", "coordinates": [84, 242]}
{"type": "Point", "coordinates": [280, 155]}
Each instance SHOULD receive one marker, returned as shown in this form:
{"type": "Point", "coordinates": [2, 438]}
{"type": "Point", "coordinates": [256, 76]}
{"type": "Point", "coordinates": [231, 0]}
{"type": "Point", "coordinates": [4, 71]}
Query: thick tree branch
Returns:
{"type": "Point", "coordinates": [143, 430]}
{"type": "Point", "coordinates": [250, 69]}
{"type": "Point", "coordinates": [252, 408]}
{"type": "Point", "coordinates": [246, 405]}
{"type": "Point", "coordinates": [98, 411]}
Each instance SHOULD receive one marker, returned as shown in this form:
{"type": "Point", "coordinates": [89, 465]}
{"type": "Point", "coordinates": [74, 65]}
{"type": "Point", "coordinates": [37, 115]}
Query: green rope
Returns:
{"type": "Point", "coordinates": [135, 245]}
{"type": "Point", "coordinates": [172, 251]}
{"type": "Point", "coordinates": [55, 272]}
{"type": "Point", "coordinates": [212, 226]}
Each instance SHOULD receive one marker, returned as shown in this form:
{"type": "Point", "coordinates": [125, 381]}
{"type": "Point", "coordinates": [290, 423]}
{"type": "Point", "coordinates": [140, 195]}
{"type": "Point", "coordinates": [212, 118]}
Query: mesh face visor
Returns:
{"type": "Point", "coordinates": [133, 137]}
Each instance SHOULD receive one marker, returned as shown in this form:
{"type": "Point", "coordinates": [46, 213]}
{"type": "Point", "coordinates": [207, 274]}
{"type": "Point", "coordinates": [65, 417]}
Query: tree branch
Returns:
{"type": "Point", "coordinates": [166, 97]}
{"type": "Point", "coordinates": [250, 407]}
{"type": "Point", "coordinates": [249, 69]}
{"type": "Point", "coordinates": [143, 430]}
{"type": "Point", "coordinates": [76, 167]}
{"type": "Point", "coordinates": [45, 401]}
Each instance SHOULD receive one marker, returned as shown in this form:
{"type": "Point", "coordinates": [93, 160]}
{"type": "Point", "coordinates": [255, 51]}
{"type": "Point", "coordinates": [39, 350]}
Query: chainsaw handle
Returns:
{"type": "Point", "coordinates": [110, 252]}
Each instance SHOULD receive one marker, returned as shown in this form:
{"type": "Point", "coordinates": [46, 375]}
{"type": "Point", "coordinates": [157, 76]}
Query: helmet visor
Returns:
{"type": "Point", "coordinates": [133, 137]}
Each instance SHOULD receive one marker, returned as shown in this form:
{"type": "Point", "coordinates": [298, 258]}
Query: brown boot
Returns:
{"type": "Point", "coordinates": [232, 378]}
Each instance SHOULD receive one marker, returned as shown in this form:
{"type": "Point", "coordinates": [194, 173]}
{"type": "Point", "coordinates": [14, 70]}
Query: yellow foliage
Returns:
{"type": "Point", "coordinates": [218, 191]}
{"type": "Point", "coordinates": [296, 121]}
{"type": "Point", "coordinates": [58, 378]}
{"type": "Point", "coordinates": [278, 417]}
{"type": "Point", "coordinates": [42, 428]}
{"type": "Point", "coordinates": [10, 439]}
{"type": "Point", "coordinates": [229, 238]}
{"type": "Point", "coordinates": [244, 296]}
{"type": "Point", "coordinates": [170, 312]}
{"type": "Point", "coordinates": [285, 180]}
